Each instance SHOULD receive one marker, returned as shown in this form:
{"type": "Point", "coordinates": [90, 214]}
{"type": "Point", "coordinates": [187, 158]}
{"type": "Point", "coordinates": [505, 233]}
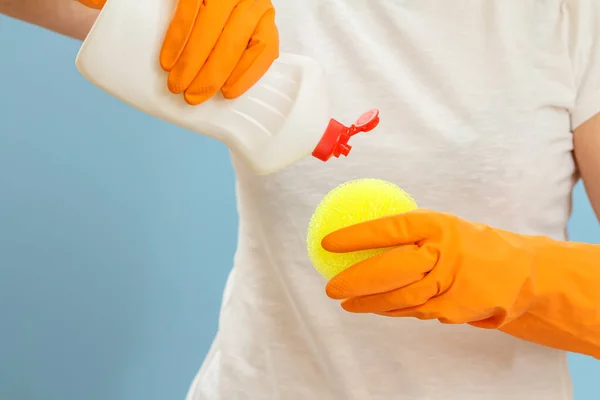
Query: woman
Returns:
{"type": "Point", "coordinates": [489, 114]}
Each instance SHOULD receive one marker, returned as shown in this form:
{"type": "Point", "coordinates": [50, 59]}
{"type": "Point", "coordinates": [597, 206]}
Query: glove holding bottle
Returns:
{"type": "Point", "coordinates": [222, 57]}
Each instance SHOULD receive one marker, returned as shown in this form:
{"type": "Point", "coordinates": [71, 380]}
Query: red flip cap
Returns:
{"type": "Point", "coordinates": [334, 141]}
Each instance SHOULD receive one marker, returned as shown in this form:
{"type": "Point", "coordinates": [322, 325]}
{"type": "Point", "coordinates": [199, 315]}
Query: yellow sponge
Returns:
{"type": "Point", "coordinates": [348, 204]}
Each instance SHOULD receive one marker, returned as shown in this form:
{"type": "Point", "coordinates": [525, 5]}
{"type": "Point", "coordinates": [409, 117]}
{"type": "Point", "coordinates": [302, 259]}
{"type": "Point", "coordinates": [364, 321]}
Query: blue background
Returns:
{"type": "Point", "coordinates": [117, 232]}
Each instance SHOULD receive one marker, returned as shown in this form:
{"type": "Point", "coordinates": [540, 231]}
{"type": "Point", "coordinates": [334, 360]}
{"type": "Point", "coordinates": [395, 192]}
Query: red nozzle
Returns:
{"type": "Point", "coordinates": [334, 141]}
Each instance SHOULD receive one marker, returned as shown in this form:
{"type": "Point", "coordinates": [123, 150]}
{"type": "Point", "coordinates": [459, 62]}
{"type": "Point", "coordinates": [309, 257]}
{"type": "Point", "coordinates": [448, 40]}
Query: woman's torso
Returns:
{"type": "Point", "coordinates": [474, 99]}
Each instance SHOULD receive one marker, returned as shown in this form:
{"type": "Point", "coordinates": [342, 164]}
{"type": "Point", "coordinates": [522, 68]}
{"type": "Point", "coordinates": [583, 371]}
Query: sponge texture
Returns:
{"type": "Point", "coordinates": [349, 204]}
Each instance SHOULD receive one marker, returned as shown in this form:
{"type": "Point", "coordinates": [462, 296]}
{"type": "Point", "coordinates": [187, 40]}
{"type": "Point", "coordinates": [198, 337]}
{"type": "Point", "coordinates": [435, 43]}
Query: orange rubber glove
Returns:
{"type": "Point", "coordinates": [97, 4]}
{"type": "Point", "coordinates": [442, 267]}
{"type": "Point", "coordinates": [213, 45]}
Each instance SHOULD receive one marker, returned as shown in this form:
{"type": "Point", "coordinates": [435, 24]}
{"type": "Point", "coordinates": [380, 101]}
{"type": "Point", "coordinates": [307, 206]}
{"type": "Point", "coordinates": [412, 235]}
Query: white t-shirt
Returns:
{"type": "Point", "coordinates": [478, 101]}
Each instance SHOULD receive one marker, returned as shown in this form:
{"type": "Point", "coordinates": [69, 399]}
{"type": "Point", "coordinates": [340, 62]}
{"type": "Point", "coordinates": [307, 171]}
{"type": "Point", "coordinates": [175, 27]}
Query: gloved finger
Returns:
{"type": "Point", "coordinates": [435, 308]}
{"type": "Point", "coordinates": [95, 4]}
{"type": "Point", "coordinates": [410, 296]}
{"type": "Point", "coordinates": [414, 312]}
{"type": "Point", "coordinates": [410, 227]}
{"type": "Point", "coordinates": [262, 50]}
{"type": "Point", "coordinates": [430, 298]}
{"type": "Point", "coordinates": [211, 20]}
{"type": "Point", "coordinates": [228, 51]}
{"type": "Point", "coordinates": [385, 272]}
{"type": "Point", "coordinates": [179, 31]}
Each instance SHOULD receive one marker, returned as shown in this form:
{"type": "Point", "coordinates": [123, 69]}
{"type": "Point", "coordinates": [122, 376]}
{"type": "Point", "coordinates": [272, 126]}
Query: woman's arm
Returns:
{"type": "Point", "coordinates": [67, 17]}
{"type": "Point", "coordinates": [587, 153]}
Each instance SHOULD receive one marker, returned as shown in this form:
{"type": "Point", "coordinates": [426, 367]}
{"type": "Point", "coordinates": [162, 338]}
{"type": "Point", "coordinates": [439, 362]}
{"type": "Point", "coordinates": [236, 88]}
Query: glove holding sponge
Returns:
{"type": "Point", "coordinates": [431, 265]}
{"type": "Point", "coordinates": [349, 204]}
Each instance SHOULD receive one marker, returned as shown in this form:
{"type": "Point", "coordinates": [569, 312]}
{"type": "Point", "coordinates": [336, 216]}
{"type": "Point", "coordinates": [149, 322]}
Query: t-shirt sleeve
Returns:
{"type": "Point", "coordinates": [584, 49]}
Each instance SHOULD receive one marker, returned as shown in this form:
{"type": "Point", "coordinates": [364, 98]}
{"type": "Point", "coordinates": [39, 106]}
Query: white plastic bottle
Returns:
{"type": "Point", "coordinates": [282, 119]}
